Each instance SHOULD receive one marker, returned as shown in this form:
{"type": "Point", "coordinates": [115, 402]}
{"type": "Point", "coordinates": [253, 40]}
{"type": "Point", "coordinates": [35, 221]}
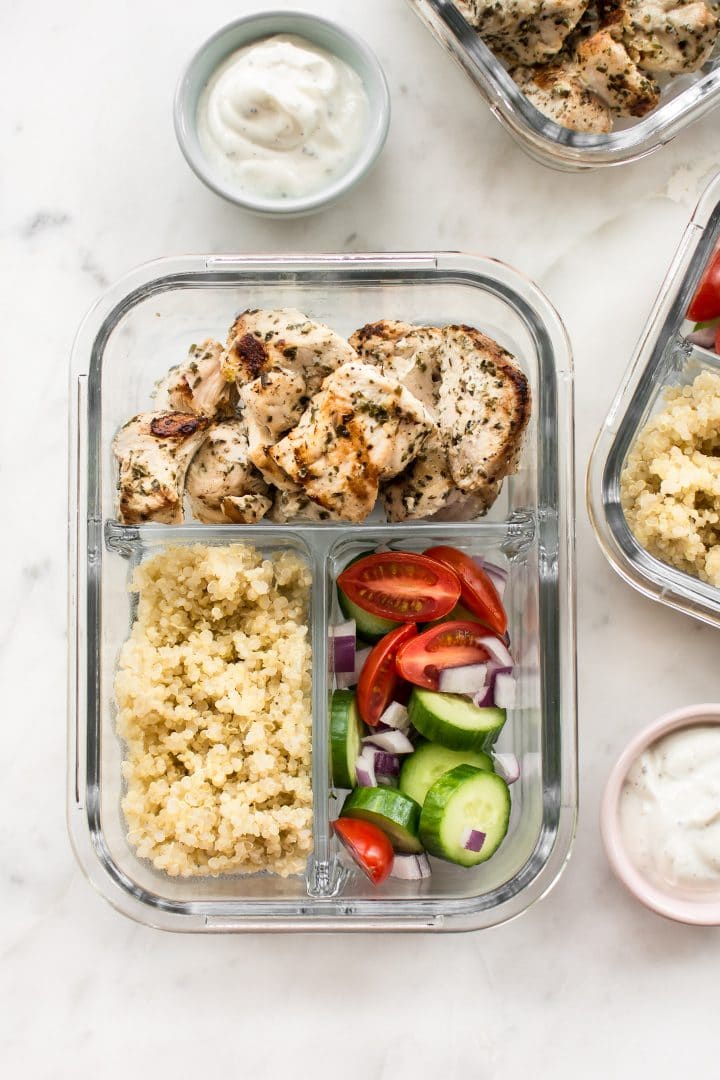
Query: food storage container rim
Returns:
{"type": "Point", "coordinates": [556, 523]}
{"type": "Point", "coordinates": [647, 574]}
{"type": "Point", "coordinates": [546, 141]}
{"type": "Point", "coordinates": [122, 294]}
{"type": "Point", "coordinates": [700, 912]}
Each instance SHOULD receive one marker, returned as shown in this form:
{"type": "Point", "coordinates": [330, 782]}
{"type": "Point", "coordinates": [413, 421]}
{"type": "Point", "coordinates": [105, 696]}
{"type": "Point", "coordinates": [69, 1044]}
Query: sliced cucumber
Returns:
{"type": "Point", "coordinates": [463, 800]}
{"type": "Point", "coordinates": [453, 721]}
{"type": "Point", "coordinates": [430, 761]}
{"type": "Point", "coordinates": [346, 732]}
{"type": "Point", "coordinates": [396, 814]}
{"type": "Point", "coordinates": [371, 627]}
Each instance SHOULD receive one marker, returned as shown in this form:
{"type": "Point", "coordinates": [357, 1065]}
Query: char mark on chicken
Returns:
{"type": "Point", "coordinates": [153, 451]}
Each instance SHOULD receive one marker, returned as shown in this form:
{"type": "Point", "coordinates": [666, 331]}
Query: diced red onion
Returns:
{"type": "Point", "coordinates": [395, 742]}
{"type": "Point", "coordinates": [705, 337]}
{"type": "Point", "coordinates": [499, 653]}
{"type": "Point", "coordinates": [386, 764]}
{"type": "Point", "coordinates": [411, 867]}
{"type": "Point", "coordinates": [342, 646]}
{"type": "Point", "coordinates": [473, 839]}
{"type": "Point", "coordinates": [507, 766]}
{"type": "Point", "coordinates": [467, 679]}
{"type": "Point", "coordinates": [484, 698]}
{"type": "Point", "coordinates": [497, 574]}
{"type": "Point", "coordinates": [365, 769]}
{"type": "Point", "coordinates": [504, 690]}
{"type": "Point", "coordinates": [346, 679]}
{"type": "Point", "coordinates": [395, 717]}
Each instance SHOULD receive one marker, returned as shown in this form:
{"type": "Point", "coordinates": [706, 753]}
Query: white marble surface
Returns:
{"type": "Point", "coordinates": [588, 984]}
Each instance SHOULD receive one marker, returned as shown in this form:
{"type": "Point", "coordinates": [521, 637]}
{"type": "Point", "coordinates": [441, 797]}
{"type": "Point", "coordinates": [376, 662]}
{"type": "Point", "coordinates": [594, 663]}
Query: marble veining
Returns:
{"type": "Point", "coordinates": [587, 984]}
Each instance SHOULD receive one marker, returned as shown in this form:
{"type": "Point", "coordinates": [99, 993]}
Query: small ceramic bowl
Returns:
{"type": "Point", "coordinates": [701, 911]}
{"type": "Point", "coordinates": [321, 32]}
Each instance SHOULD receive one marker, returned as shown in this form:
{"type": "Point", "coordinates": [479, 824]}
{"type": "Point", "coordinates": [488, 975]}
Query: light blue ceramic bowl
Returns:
{"type": "Point", "coordinates": [321, 32]}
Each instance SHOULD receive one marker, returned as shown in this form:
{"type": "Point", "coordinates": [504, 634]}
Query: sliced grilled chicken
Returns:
{"type": "Point", "coordinates": [294, 505]}
{"type": "Point", "coordinates": [222, 484]}
{"type": "Point", "coordinates": [427, 490]}
{"type": "Point", "coordinates": [480, 404]}
{"type": "Point", "coordinates": [483, 409]}
{"type": "Point", "coordinates": [197, 385]}
{"type": "Point", "coordinates": [278, 359]}
{"type": "Point", "coordinates": [606, 68]}
{"type": "Point", "coordinates": [408, 353]}
{"type": "Point", "coordinates": [154, 450]}
{"type": "Point", "coordinates": [361, 428]}
{"type": "Point", "coordinates": [261, 341]}
{"type": "Point", "coordinates": [528, 31]}
{"type": "Point", "coordinates": [270, 408]}
{"type": "Point", "coordinates": [672, 36]}
{"type": "Point", "coordinates": [558, 92]}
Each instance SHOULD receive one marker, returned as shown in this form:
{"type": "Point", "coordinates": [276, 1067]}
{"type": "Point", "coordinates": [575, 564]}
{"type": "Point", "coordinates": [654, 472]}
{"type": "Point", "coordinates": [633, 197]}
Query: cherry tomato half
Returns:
{"type": "Point", "coordinates": [705, 303]}
{"type": "Point", "coordinates": [477, 591]}
{"type": "Point", "coordinates": [450, 644]}
{"type": "Point", "coordinates": [368, 846]}
{"type": "Point", "coordinates": [379, 680]}
{"type": "Point", "coordinates": [402, 586]}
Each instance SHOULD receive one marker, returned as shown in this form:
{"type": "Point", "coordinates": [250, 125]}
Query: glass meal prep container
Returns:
{"type": "Point", "coordinates": [684, 98]}
{"type": "Point", "coordinates": [663, 358]}
{"type": "Point", "coordinates": [130, 339]}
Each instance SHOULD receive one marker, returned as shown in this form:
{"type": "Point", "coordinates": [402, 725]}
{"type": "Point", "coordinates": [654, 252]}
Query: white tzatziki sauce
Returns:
{"type": "Point", "coordinates": [670, 810]}
{"type": "Point", "coordinates": [282, 118]}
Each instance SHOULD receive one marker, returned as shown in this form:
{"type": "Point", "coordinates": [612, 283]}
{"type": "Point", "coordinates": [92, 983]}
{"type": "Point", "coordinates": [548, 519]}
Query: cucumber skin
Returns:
{"type": "Point", "coordinates": [440, 731]}
{"type": "Point", "coordinates": [414, 763]}
{"type": "Point", "coordinates": [343, 771]}
{"type": "Point", "coordinates": [370, 627]}
{"type": "Point", "coordinates": [435, 807]}
{"type": "Point", "coordinates": [373, 804]}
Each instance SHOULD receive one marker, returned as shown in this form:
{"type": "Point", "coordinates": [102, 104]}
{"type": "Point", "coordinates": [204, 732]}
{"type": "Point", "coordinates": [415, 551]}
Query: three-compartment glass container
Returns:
{"type": "Point", "coordinates": [130, 339]}
{"type": "Point", "coordinates": [664, 357]}
{"type": "Point", "coordinates": [683, 99]}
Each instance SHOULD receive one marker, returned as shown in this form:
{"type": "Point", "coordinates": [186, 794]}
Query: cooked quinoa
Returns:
{"type": "Point", "coordinates": [213, 695]}
{"type": "Point", "coordinates": [670, 487]}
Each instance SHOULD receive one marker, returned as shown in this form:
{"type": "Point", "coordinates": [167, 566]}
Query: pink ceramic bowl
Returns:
{"type": "Point", "coordinates": [703, 911]}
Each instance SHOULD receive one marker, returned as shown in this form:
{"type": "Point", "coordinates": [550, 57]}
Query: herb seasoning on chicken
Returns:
{"type": "Point", "coordinates": [583, 62]}
{"type": "Point", "coordinates": [292, 421]}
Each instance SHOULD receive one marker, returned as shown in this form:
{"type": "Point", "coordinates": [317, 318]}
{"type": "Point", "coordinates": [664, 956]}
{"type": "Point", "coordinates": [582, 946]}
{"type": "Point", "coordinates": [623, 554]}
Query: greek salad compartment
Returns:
{"type": "Point", "coordinates": [653, 490]}
{"type": "Point", "coordinates": [591, 86]}
{"type": "Point", "coordinates": [412, 701]}
{"type": "Point", "coordinates": [202, 693]}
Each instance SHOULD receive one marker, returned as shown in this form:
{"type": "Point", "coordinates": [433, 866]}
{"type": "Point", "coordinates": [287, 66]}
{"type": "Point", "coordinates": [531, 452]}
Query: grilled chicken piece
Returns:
{"type": "Point", "coordinates": [523, 31]}
{"type": "Point", "coordinates": [361, 428]}
{"type": "Point", "coordinates": [604, 65]}
{"type": "Point", "coordinates": [278, 360]}
{"type": "Point", "coordinates": [154, 450]}
{"type": "Point", "coordinates": [483, 409]}
{"type": "Point", "coordinates": [221, 483]}
{"type": "Point", "coordinates": [197, 385]}
{"type": "Point", "coordinates": [408, 353]}
{"type": "Point", "coordinates": [261, 341]}
{"type": "Point", "coordinates": [670, 36]}
{"type": "Point", "coordinates": [558, 93]}
{"type": "Point", "coordinates": [296, 506]}
{"type": "Point", "coordinates": [269, 409]}
{"type": "Point", "coordinates": [481, 405]}
{"type": "Point", "coordinates": [427, 490]}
